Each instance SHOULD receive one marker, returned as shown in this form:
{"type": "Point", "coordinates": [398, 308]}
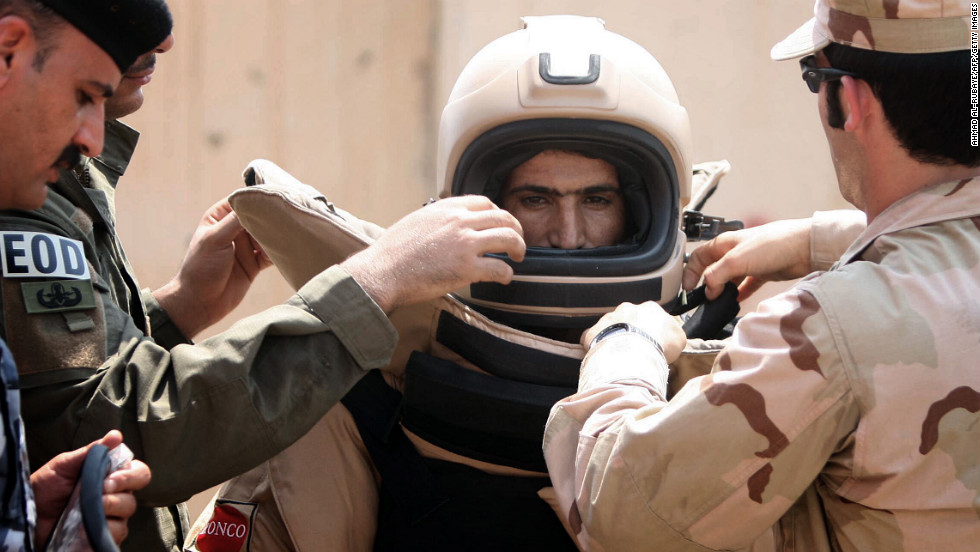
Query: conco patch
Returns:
{"type": "Point", "coordinates": [39, 255]}
{"type": "Point", "coordinates": [229, 529]}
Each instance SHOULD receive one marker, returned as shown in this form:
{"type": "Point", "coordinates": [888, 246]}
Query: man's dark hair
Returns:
{"type": "Point", "coordinates": [44, 22]}
{"type": "Point", "coordinates": [925, 97]}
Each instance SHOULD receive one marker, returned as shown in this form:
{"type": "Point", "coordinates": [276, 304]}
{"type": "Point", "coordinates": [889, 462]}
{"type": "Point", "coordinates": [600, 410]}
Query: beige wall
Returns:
{"type": "Point", "coordinates": [347, 95]}
{"type": "Point", "coordinates": [336, 92]}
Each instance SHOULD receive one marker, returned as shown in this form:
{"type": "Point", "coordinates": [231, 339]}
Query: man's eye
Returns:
{"type": "Point", "coordinates": [597, 200]}
{"type": "Point", "coordinates": [84, 98]}
{"type": "Point", "coordinates": [533, 201]}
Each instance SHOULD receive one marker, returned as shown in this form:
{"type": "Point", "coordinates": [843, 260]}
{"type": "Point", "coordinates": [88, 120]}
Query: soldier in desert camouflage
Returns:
{"type": "Point", "coordinates": [844, 413]}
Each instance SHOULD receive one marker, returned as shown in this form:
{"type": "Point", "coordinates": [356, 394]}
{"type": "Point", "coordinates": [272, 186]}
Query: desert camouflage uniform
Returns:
{"type": "Point", "coordinates": [898, 26]}
{"type": "Point", "coordinates": [196, 414]}
{"type": "Point", "coordinates": [844, 412]}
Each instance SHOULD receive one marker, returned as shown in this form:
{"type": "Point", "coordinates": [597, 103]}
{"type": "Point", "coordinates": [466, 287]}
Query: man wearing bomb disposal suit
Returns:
{"type": "Point", "coordinates": [844, 413]}
{"type": "Point", "coordinates": [579, 133]}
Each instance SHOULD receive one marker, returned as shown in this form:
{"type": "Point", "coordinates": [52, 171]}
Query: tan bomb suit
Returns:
{"type": "Point", "coordinates": [322, 492]}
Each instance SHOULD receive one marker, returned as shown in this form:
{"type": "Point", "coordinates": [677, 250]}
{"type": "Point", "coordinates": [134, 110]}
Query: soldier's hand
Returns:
{"type": "Point", "coordinates": [54, 481]}
{"type": "Point", "coordinates": [221, 263]}
{"type": "Point", "coordinates": [438, 249]}
{"type": "Point", "coordinates": [772, 252]}
{"type": "Point", "coordinates": [648, 317]}
{"type": "Point", "coordinates": [118, 500]}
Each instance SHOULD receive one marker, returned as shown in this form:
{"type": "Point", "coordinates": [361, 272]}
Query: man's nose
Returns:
{"type": "Point", "coordinates": [88, 139]}
{"type": "Point", "coordinates": [166, 45]}
{"type": "Point", "coordinates": [568, 231]}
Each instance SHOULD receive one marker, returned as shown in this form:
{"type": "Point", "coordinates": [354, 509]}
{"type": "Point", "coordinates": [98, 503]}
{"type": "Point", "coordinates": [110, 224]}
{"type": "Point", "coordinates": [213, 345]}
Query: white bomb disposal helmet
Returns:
{"type": "Point", "coordinates": [566, 83]}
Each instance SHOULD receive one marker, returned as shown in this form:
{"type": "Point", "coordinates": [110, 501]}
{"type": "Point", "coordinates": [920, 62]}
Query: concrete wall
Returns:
{"type": "Point", "coordinates": [347, 96]}
{"type": "Point", "coordinates": [336, 92]}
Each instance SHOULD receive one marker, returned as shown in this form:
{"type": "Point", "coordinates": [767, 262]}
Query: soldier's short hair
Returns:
{"type": "Point", "coordinates": [43, 21]}
{"type": "Point", "coordinates": [123, 29]}
{"type": "Point", "coordinates": [925, 98]}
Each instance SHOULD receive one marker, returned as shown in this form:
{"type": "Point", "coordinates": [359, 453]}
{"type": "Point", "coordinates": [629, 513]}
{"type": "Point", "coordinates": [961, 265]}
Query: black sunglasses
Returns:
{"type": "Point", "coordinates": [814, 75]}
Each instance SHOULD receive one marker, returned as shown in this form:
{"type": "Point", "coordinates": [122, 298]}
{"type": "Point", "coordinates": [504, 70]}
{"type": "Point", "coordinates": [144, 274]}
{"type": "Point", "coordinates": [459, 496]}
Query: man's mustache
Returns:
{"type": "Point", "coordinates": [69, 157]}
{"type": "Point", "coordinates": [142, 64]}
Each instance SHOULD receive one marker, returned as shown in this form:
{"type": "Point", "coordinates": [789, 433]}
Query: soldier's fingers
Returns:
{"type": "Point", "coordinates": [263, 259]}
{"type": "Point", "coordinates": [132, 478]}
{"type": "Point", "coordinates": [484, 213]}
{"type": "Point", "coordinates": [489, 269]}
{"type": "Point", "coordinates": [245, 255]}
{"type": "Point", "coordinates": [111, 440]}
{"type": "Point", "coordinates": [119, 505]}
{"type": "Point", "coordinates": [719, 274]}
{"type": "Point", "coordinates": [702, 258]}
{"type": "Point", "coordinates": [502, 240]}
{"type": "Point", "coordinates": [118, 530]}
{"type": "Point", "coordinates": [730, 267]}
{"type": "Point", "coordinates": [749, 286]}
{"type": "Point", "coordinates": [225, 230]}
{"type": "Point", "coordinates": [218, 211]}
{"type": "Point", "coordinates": [68, 464]}
{"type": "Point", "coordinates": [471, 202]}
{"type": "Point", "coordinates": [495, 218]}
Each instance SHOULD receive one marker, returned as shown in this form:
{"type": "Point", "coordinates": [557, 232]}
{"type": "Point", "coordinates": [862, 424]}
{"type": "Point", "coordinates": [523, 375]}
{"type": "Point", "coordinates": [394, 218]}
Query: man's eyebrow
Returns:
{"type": "Point", "coordinates": [106, 90]}
{"type": "Point", "coordinates": [601, 189]}
{"type": "Point", "coordinates": [538, 189]}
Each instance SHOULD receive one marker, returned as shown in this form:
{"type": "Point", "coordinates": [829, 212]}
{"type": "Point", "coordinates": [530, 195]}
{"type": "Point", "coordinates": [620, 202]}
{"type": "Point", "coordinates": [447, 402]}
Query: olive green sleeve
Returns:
{"type": "Point", "coordinates": [162, 328]}
{"type": "Point", "coordinates": [200, 414]}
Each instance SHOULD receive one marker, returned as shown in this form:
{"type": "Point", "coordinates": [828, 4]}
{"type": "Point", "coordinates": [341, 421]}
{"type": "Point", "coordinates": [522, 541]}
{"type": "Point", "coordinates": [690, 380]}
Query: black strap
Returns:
{"type": "Point", "coordinates": [376, 408]}
{"type": "Point", "coordinates": [503, 358]}
{"type": "Point", "coordinates": [476, 415]}
{"type": "Point", "coordinates": [711, 316]}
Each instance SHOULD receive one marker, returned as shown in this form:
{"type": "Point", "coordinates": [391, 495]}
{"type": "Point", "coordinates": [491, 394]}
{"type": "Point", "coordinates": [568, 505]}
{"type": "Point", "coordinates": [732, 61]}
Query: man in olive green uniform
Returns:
{"type": "Point", "coordinates": [96, 352]}
{"type": "Point", "coordinates": [57, 65]}
{"type": "Point", "coordinates": [845, 412]}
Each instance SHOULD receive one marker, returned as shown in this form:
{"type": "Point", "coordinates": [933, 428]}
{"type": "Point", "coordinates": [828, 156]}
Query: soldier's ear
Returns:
{"type": "Point", "coordinates": [857, 101]}
{"type": "Point", "coordinates": [16, 39]}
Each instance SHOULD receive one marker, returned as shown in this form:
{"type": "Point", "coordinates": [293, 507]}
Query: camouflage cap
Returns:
{"type": "Point", "coordinates": [898, 26]}
{"type": "Point", "coordinates": [125, 29]}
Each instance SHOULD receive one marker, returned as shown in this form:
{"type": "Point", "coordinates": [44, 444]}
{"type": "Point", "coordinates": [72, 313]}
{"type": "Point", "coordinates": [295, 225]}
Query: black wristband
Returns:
{"type": "Point", "coordinates": [623, 327]}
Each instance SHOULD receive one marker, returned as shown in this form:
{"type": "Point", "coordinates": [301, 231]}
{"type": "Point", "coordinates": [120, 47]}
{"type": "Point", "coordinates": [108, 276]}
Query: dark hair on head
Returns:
{"type": "Point", "coordinates": [44, 22]}
{"type": "Point", "coordinates": [925, 97]}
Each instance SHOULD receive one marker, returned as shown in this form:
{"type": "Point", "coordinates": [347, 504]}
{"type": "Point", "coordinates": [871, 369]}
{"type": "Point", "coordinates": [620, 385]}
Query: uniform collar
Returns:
{"type": "Point", "coordinates": [117, 150]}
{"type": "Point", "coordinates": [948, 201]}
{"type": "Point", "coordinates": [120, 143]}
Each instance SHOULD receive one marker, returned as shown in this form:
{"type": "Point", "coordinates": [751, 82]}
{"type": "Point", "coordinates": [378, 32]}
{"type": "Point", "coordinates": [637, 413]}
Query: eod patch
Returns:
{"type": "Point", "coordinates": [40, 255]}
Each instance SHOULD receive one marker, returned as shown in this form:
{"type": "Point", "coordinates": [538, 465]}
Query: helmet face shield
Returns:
{"type": "Point", "coordinates": [647, 179]}
{"type": "Point", "coordinates": [516, 99]}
